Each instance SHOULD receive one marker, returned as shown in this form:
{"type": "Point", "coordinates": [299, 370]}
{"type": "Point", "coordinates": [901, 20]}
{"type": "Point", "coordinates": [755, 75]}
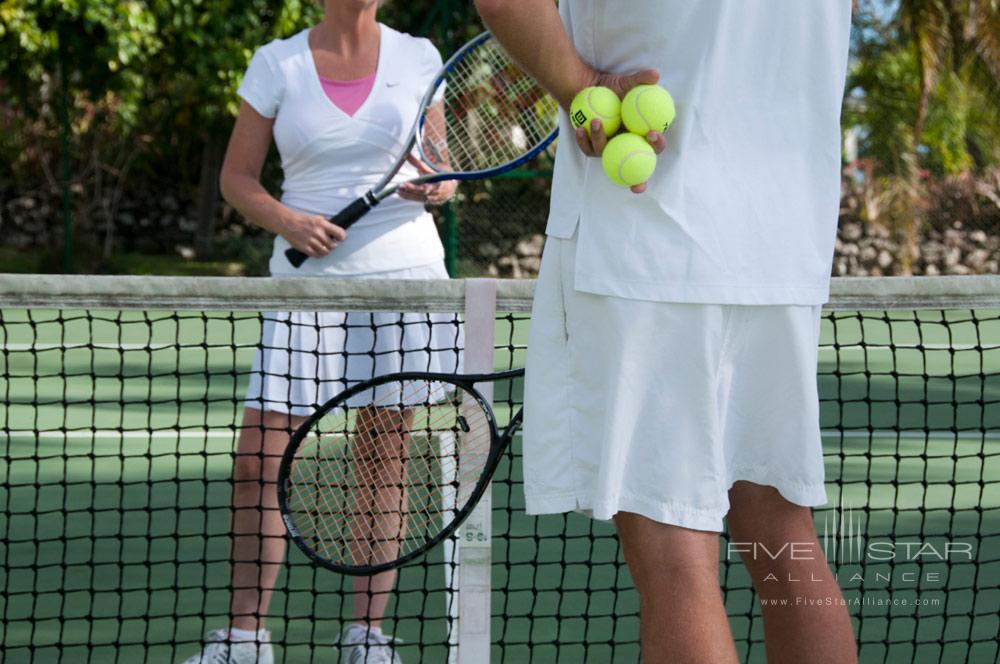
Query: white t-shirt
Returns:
{"type": "Point", "coordinates": [742, 208]}
{"type": "Point", "coordinates": [330, 158]}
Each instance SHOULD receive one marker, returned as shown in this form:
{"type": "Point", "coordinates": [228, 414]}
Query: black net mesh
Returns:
{"type": "Point", "coordinates": [119, 429]}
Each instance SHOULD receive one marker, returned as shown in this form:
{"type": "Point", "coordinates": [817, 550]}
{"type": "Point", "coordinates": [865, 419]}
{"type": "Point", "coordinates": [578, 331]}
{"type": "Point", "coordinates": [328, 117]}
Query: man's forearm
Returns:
{"type": "Point", "coordinates": [533, 34]}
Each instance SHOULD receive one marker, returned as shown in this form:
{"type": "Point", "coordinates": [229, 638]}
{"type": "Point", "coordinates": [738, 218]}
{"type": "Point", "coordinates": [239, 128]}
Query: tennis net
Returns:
{"type": "Point", "coordinates": [122, 399]}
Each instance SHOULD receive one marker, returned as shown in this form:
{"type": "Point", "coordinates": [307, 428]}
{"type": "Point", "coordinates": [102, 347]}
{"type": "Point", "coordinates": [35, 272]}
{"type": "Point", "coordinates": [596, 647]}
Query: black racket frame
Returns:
{"type": "Point", "coordinates": [498, 444]}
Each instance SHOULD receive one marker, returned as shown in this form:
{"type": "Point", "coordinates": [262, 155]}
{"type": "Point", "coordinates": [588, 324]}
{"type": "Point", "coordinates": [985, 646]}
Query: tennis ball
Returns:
{"type": "Point", "coordinates": [597, 103]}
{"type": "Point", "coordinates": [628, 160]}
{"type": "Point", "coordinates": [648, 108]}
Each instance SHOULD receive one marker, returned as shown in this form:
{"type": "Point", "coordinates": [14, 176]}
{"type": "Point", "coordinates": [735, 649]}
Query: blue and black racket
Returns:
{"type": "Point", "coordinates": [482, 116]}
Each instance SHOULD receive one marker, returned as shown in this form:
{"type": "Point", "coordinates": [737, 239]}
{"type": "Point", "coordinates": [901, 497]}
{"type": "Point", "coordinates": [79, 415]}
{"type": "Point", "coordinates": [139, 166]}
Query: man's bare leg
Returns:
{"type": "Point", "coordinates": [676, 570]}
{"type": "Point", "coordinates": [761, 523]}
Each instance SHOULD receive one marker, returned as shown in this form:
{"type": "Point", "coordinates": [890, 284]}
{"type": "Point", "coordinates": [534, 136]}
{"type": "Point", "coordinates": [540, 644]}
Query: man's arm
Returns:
{"type": "Point", "coordinates": [522, 27]}
{"type": "Point", "coordinates": [532, 32]}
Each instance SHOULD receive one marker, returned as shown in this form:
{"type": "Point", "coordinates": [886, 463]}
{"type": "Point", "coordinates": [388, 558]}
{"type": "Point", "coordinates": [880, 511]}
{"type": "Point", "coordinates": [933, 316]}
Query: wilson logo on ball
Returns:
{"type": "Point", "coordinates": [579, 119]}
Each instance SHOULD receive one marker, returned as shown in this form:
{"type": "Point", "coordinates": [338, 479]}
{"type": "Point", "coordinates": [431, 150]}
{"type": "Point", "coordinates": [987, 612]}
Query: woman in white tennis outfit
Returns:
{"type": "Point", "coordinates": [338, 99]}
{"type": "Point", "coordinates": [671, 370]}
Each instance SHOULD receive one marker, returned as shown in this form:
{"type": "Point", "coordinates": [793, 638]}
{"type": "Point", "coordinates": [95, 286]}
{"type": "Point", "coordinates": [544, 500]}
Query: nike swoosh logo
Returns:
{"type": "Point", "coordinates": [391, 85]}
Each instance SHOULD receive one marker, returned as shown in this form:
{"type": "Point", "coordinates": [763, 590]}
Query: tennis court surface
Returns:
{"type": "Point", "coordinates": [121, 402]}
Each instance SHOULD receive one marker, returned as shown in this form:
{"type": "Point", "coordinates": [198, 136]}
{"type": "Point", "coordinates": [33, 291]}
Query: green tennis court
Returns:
{"type": "Point", "coordinates": [118, 431]}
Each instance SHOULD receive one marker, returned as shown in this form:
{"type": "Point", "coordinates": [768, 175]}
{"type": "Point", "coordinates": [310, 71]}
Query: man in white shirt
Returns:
{"type": "Point", "coordinates": [672, 356]}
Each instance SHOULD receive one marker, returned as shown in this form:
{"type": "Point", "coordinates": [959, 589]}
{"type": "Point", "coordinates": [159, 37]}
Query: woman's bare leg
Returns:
{"type": "Point", "coordinates": [380, 523]}
{"type": "Point", "coordinates": [763, 526]}
{"type": "Point", "coordinates": [681, 613]}
{"type": "Point", "coordinates": [258, 548]}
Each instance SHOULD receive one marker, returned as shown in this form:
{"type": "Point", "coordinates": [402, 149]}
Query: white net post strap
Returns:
{"type": "Point", "coordinates": [450, 549]}
{"type": "Point", "coordinates": [475, 535]}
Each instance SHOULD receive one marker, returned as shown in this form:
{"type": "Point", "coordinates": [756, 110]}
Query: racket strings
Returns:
{"type": "Point", "coordinates": [381, 475]}
{"type": "Point", "coordinates": [492, 113]}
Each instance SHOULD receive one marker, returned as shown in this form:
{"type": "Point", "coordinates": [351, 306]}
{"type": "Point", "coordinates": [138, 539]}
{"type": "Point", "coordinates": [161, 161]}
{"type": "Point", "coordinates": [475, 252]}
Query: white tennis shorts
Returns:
{"type": "Point", "coordinates": [657, 408]}
{"type": "Point", "coordinates": [306, 358]}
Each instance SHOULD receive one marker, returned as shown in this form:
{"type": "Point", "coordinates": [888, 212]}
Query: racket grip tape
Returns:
{"type": "Point", "coordinates": [345, 218]}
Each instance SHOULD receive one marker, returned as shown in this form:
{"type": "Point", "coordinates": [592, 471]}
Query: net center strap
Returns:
{"type": "Point", "coordinates": [474, 556]}
{"type": "Point", "coordinates": [480, 329]}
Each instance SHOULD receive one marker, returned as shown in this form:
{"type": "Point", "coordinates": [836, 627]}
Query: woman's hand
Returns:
{"type": "Point", "coordinates": [433, 193]}
{"type": "Point", "coordinates": [593, 144]}
{"type": "Point", "coordinates": [312, 234]}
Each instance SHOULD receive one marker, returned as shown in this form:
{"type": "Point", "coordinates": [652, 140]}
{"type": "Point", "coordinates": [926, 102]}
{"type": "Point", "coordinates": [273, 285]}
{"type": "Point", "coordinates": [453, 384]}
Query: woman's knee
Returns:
{"type": "Point", "coordinates": [247, 468]}
{"type": "Point", "coordinates": [259, 449]}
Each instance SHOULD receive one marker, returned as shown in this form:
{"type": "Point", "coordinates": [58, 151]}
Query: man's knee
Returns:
{"type": "Point", "coordinates": [761, 513]}
{"type": "Point", "coordinates": [660, 554]}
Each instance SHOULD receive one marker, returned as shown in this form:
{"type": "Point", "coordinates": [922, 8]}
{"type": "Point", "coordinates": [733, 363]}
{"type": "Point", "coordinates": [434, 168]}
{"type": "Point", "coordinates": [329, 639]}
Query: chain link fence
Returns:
{"type": "Point", "coordinates": [500, 226]}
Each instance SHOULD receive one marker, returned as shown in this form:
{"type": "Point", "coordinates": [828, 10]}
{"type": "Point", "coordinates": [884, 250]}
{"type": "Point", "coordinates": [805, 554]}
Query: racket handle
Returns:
{"type": "Point", "coordinates": [345, 218]}
{"type": "Point", "coordinates": [295, 257]}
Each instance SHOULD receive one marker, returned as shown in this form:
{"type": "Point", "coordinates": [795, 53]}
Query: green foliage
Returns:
{"type": "Point", "coordinates": [948, 123]}
{"type": "Point", "coordinates": [181, 59]}
{"type": "Point", "coordinates": [884, 93]}
{"type": "Point", "coordinates": [154, 76]}
{"type": "Point", "coordinates": [104, 46]}
{"type": "Point", "coordinates": [151, 90]}
{"type": "Point", "coordinates": [449, 23]}
{"type": "Point", "coordinates": [920, 85]}
{"type": "Point", "coordinates": [983, 135]}
{"type": "Point", "coordinates": [207, 45]}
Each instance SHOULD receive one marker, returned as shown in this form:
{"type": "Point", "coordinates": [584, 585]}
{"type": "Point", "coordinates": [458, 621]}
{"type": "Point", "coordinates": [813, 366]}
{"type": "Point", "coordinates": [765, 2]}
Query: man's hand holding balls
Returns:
{"type": "Point", "coordinates": [598, 111]}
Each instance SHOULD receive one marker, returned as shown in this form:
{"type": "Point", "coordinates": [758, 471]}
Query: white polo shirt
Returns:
{"type": "Point", "coordinates": [743, 206]}
{"type": "Point", "coordinates": [330, 158]}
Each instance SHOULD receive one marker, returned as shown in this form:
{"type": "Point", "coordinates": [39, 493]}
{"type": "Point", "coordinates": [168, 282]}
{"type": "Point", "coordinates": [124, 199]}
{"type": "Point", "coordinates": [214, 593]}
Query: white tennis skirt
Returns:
{"type": "Point", "coordinates": [657, 408]}
{"type": "Point", "coordinates": [306, 358]}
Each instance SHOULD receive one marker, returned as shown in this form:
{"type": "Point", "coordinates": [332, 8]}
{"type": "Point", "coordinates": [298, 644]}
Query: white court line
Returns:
{"type": "Point", "coordinates": [22, 348]}
{"type": "Point", "coordinates": [885, 347]}
{"type": "Point", "coordinates": [226, 433]}
{"type": "Point", "coordinates": [915, 435]}
{"type": "Point", "coordinates": [111, 433]}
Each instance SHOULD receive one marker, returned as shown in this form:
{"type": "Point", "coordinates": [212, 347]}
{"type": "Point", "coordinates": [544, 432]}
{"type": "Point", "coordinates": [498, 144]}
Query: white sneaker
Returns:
{"type": "Point", "coordinates": [361, 644]}
{"type": "Point", "coordinates": [221, 649]}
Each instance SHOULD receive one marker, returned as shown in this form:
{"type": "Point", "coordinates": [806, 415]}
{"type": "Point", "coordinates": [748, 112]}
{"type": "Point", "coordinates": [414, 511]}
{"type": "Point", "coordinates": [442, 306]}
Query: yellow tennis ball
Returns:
{"type": "Point", "coordinates": [597, 103]}
{"type": "Point", "coordinates": [628, 160]}
{"type": "Point", "coordinates": [648, 108]}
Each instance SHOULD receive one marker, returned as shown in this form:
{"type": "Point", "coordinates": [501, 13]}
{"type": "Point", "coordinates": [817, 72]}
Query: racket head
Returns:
{"type": "Point", "coordinates": [483, 115]}
{"type": "Point", "coordinates": [386, 470]}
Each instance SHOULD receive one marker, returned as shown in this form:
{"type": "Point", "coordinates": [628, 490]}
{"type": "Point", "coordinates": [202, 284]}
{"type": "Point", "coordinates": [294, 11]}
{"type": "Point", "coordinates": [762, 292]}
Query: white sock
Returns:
{"type": "Point", "coordinates": [237, 635]}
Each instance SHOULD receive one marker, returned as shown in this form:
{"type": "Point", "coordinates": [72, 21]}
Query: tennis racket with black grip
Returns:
{"type": "Point", "coordinates": [389, 468]}
{"type": "Point", "coordinates": [493, 118]}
